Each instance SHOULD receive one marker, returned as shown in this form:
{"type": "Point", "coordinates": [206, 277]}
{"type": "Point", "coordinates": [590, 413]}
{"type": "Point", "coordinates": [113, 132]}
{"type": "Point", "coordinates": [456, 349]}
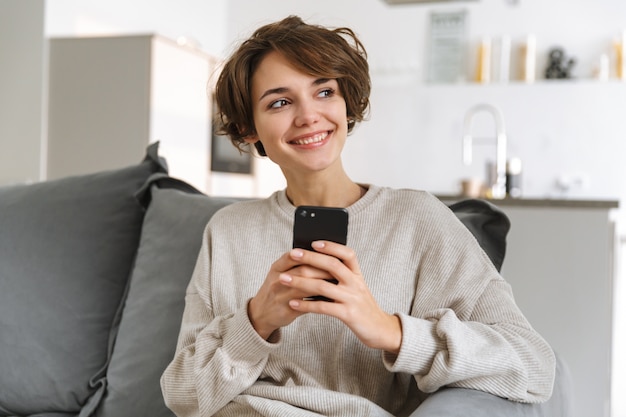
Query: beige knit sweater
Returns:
{"type": "Point", "coordinates": [461, 326]}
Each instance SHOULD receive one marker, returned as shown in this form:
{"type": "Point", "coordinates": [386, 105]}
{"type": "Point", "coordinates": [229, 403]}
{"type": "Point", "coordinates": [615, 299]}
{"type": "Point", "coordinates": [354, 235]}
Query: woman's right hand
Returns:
{"type": "Point", "coordinates": [269, 309]}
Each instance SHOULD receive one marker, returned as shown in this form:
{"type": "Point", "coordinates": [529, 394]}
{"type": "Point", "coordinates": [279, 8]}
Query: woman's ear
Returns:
{"type": "Point", "coordinates": [252, 139]}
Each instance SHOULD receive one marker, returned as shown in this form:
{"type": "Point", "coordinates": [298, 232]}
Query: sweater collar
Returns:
{"type": "Point", "coordinates": [282, 202]}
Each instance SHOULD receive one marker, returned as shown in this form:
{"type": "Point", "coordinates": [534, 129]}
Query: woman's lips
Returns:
{"type": "Point", "coordinates": [310, 140]}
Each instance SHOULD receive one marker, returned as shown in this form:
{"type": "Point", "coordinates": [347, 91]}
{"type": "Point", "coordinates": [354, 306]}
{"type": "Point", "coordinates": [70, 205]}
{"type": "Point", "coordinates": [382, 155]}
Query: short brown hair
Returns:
{"type": "Point", "coordinates": [315, 50]}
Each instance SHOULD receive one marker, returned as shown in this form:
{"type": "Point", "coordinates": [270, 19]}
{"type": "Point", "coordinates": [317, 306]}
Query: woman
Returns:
{"type": "Point", "coordinates": [418, 305]}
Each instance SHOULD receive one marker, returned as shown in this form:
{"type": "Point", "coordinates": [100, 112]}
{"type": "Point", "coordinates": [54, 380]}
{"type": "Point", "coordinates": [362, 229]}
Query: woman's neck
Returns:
{"type": "Point", "coordinates": [339, 191]}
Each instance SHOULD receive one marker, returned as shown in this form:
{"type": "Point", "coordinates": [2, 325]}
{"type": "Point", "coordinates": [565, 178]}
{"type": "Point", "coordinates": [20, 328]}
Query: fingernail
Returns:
{"type": "Point", "coordinates": [297, 253]}
{"type": "Point", "coordinates": [318, 244]}
{"type": "Point", "coordinates": [294, 303]}
{"type": "Point", "coordinates": [285, 278]}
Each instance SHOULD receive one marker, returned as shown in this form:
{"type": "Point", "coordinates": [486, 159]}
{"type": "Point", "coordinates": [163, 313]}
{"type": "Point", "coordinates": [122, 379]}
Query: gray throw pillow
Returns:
{"type": "Point", "coordinates": [488, 224]}
{"type": "Point", "coordinates": [66, 251]}
{"type": "Point", "coordinates": [146, 341]}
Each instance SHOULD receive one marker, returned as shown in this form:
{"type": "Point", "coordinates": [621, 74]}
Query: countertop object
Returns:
{"type": "Point", "coordinates": [540, 202]}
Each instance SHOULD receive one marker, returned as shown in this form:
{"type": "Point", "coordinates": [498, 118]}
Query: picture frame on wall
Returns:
{"type": "Point", "coordinates": [447, 46]}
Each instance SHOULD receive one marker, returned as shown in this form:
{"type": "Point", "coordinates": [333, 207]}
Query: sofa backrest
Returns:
{"type": "Point", "coordinates": [66, 251]}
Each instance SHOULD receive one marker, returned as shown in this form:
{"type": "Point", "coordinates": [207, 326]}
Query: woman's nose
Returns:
{"type": "Point", "coordinates": [307, 113]}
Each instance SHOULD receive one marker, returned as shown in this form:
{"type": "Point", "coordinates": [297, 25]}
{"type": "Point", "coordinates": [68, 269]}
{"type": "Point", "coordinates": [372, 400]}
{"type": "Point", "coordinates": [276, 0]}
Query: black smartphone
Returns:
{"type": "Point", "coordinates": [313, 223]}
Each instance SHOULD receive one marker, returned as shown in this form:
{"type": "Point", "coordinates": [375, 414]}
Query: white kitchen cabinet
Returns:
{"type": "Point", "coordinates": [22, 86]}
{"type": "Point", "coordinates": [110, 97]}
{"type": "Point", "coordinates": [561, 263]}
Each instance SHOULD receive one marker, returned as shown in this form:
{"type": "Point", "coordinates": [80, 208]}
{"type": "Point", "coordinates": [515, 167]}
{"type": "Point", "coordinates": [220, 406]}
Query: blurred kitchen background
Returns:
{"type": "Point", "coordinates": [431, 62]}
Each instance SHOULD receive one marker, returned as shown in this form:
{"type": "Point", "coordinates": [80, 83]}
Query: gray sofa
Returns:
{"type": "Point", "coordinates": [93, 271]}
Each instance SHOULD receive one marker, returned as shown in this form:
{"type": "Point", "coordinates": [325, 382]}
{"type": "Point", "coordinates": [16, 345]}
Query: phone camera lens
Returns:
{"type": "Point", "coordinates": [303, 213]}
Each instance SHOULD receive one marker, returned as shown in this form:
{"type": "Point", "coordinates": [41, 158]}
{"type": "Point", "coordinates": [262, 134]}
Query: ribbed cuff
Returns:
{"type": "Point", "coordinates": [243, 343]}
{"type": "Point", "coordinates": [419, 346]}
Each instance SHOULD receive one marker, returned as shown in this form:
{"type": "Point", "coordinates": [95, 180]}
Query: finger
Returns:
{"type": "Point", "coordinates": [331, 266]}
{"type": "Point", "coordinates": [309, 272]}
{"type": "Point", "coordinates": [310, 287]}
{"type": "Point", "coordinates": [316, 260]}
{"type": "Point", "coordinates": [288, 260]}
{"type": "Point", "coordinates": [342, 252]}
{"type": "Point", "coordinates": [317, 307]}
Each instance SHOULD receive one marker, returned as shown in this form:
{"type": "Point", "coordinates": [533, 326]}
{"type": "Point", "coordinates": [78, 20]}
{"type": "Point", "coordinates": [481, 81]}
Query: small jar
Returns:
{"type": "Point", "coordinates": [514, 178]}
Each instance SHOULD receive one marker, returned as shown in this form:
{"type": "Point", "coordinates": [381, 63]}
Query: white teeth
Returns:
{"type": "Point", "coordinates": [314, 139]}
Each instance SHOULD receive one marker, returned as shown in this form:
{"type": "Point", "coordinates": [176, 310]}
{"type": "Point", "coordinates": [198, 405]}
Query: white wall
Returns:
{"type": "Point", "coordinates": [201, 21]}
{"type": "Point", "coordinates": [22, 57]}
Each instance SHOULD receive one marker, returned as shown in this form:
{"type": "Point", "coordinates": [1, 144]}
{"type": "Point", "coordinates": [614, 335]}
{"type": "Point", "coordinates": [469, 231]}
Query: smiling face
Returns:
{"type": "Point", "coordinates": [300, 119]}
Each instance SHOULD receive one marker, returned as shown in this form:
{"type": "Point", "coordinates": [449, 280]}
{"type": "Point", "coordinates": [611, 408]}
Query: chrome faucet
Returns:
{"type": "Point", "coordinates": [498, 184]}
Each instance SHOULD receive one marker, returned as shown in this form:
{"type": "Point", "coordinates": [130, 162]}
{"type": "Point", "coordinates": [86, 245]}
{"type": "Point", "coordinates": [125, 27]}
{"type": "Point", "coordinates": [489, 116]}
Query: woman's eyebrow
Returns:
{"type": "Point", "coordinates": [281, 90]}
{"type": "Point", "coordinates": [321, 81]}
{"type": "Point", "coordinates": [278, 90]}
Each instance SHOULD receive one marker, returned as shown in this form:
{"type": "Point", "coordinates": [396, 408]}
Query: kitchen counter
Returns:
{"type": "Point", "coordinates": [540, 202]}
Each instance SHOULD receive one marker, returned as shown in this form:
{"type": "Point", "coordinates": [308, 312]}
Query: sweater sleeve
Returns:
{"type": "Point", "coordinates": [217, 357]}
{"type": "Point", "coordinates": [507, 359]}
{"type": "Point", "coordinates": [475, 336]}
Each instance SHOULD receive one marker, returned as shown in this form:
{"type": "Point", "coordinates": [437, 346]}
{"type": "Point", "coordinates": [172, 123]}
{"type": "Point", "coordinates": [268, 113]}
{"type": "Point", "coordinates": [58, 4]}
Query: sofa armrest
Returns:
{"type": "Point", "coordinates": [460, 402]}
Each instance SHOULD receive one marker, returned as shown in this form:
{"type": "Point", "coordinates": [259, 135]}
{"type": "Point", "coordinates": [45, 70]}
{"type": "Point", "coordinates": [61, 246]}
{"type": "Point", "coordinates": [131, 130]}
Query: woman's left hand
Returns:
{"type": "Point", "coordinates": [353, 303]}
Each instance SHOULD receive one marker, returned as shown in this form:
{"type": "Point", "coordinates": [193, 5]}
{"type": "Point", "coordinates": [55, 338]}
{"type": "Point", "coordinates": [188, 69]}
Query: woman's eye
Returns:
{"type": "Point", "coordinates": [328, 92]}
{"type": "Point", "coordinates": [278, 104]}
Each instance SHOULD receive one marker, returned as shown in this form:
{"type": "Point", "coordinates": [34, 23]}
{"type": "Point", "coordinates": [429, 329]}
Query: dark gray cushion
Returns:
{"type": "Point", "coordinates": [66, 251]}
{"type": "Point", "coordinates": [488, 224]}
{"type": "Point", "coordinates": [52, 415]}
{"type": "Point", "coordinates": [170, 241]}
